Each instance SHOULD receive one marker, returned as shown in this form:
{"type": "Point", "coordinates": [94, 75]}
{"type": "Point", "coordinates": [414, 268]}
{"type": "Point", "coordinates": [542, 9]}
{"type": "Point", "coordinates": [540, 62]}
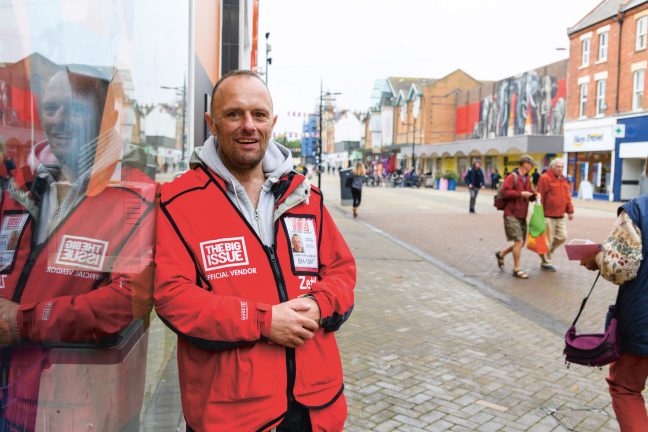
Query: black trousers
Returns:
{"type": "Point", "coordinates": [357, 196]}
{"type": "Point", "coordinates": [297, 420]}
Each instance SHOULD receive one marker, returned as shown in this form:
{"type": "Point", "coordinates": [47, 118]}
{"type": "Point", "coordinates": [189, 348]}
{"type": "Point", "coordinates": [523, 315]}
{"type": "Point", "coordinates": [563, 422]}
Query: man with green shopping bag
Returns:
{"type": "Point", "coordinates": [517, 191]}
{"type": "Point", "coordinates": [556, 201]}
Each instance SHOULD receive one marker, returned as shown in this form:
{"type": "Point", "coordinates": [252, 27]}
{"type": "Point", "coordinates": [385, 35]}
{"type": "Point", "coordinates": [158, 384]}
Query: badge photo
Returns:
{"type": "Point", "coordinates": [11, 229]}
{"type": "Point", "coordinates": [302, 243]}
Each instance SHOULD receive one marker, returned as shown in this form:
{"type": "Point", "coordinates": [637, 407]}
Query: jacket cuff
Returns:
{"type": "Point", "coordinates": [25, 319]}
{"type": "Point", "coordinates": [264, 318]}
{"type": "Point", "coordinates": [322, 300]}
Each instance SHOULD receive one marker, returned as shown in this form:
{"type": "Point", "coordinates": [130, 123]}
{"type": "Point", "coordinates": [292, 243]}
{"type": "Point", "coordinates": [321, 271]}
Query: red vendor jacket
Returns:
{"type": "Point", "coordinates": [215, 284]}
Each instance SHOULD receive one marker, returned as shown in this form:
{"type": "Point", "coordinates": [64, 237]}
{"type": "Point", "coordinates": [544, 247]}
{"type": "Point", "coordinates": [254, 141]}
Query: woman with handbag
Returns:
{"type": "Point", "coordinates": [358, 176]}
{"type": "Point", "coordinates": [622, 262]}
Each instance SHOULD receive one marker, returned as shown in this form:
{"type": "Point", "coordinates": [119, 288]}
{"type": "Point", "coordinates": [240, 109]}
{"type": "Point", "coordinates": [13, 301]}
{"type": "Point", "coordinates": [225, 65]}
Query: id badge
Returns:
{"type": "Point", "coordinates": [11, 228]}
{"type": "Point", "coordinates": [302, 240]}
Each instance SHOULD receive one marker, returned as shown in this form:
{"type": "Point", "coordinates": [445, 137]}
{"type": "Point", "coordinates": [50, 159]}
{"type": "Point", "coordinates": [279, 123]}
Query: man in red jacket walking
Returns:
{"type": "Point", "coordinates": [517, 191]}
{"type": "Point", "coordinates": [556, 201]}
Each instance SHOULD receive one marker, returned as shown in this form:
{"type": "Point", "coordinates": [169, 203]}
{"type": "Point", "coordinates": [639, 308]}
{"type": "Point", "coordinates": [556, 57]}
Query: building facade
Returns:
{"type": "Point", "coordinates": [606, 106]}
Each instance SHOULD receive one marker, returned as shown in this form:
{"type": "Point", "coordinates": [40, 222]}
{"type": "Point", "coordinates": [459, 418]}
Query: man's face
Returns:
{"type": "Point", "coordinates": [70, 119]}
{"type": "Point", "coordinates": [242, 121]}
{"type": "Point", "coordinates": [527, 166]}
{"type": "Point", "coordinates": [477, 165]}
{"type": "Point", "coordinates": [296, 243]}
{"type": "Point", "coordinates": [558, 169]}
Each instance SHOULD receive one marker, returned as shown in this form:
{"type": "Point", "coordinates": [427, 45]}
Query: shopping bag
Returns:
{"type": "Point", "coordinates": [537, 223]}
{"type": "Point", "coordinates": [538, 244]}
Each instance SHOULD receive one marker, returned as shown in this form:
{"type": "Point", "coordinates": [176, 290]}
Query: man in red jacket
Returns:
{"type": "Point", "coordinates": [556, 201]}
{"type": "Point", "coordinates": [255, 315]}
{"type": "Point", "coordinates": [517, 191]}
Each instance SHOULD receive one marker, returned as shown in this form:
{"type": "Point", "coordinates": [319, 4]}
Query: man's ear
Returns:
{"type": "Point", "coordinates": [211, 124]}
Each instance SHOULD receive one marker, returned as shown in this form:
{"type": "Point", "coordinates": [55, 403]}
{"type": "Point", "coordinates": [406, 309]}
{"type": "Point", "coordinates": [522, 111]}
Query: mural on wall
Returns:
{"type": "Point", "coordinates": [527, 104]}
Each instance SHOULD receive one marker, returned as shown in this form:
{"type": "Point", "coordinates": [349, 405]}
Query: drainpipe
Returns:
{"type": "Point", "coordinates": [619, 19]}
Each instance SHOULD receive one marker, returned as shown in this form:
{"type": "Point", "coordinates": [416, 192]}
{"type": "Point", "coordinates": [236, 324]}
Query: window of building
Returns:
{"type": "Point", "coordinates": [642, 29]}
{"type": "Point", "coordinates": [600, 97]}
{"type": "Point", "coordinates": [583, 100]}
{"type": "Point", "coordinates": [585, 52]}
{"type": "Point", "coordinates": [230, 53]}
{"type": "Point", "coordinates": [603, 46]}
{"type": "Point", "coordinates": [638, 78]}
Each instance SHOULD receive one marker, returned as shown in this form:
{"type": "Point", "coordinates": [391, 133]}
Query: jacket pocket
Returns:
{"type": "Point", "coordinates": [250, 373]}
{"type": "Point", "coordinates": [319, 370]}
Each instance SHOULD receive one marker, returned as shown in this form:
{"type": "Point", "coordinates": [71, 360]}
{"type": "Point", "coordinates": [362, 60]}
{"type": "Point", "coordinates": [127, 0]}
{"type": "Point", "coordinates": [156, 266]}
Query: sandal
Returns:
{"type": "Point", "coordinates": [520, 274]}
{"type": "Point", "coordinates": [500, 260]}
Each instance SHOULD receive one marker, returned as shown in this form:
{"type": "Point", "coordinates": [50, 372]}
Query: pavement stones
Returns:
{"type": "Point", "coordinates": [424, 351]}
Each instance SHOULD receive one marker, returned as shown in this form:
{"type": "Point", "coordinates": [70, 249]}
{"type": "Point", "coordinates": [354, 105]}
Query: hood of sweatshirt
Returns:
{"type": "Point", "coordinates": [276, 163]}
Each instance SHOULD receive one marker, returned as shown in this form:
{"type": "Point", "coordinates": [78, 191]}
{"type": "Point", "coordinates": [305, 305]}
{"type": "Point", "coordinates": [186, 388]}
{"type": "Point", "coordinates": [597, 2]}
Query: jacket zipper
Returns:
{"type": "Point", "coordinates": [283, 297]}
{"type": "Point", "coordinates": [258, 221]}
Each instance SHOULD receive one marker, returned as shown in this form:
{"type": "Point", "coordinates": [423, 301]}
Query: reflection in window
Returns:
{"type": "Point", "coordinates": [81, 84]}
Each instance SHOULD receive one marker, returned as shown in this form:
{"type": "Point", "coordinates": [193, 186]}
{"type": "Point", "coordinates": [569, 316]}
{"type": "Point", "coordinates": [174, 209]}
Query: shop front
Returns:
{"type": "Point", "coordinates": [589, 154]}
{"type": "Point", "coordinates": [631, 150]}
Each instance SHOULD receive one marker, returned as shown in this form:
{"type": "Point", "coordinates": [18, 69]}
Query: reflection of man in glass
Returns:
{"type": "Point", "coordinates": [295, 242]}
{"type": "Point", "coordinates": [71, 120]}
{"type": "Point", "coordinates": [81, 272]}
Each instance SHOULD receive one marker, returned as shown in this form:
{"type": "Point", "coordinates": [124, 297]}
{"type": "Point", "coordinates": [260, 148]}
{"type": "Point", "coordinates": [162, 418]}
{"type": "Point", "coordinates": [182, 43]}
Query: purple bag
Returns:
{"type": "Point", "coordinates": [595, 349]}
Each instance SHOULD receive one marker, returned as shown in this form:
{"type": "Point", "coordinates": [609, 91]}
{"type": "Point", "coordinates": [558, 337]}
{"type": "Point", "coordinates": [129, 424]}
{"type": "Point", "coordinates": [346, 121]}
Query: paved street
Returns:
{"type": "Point", "coordinates": [440, 339]}
{"type": "Point", "coordinates": [437, 223]}
{"type": "Point", "coordinates": [425, 351]}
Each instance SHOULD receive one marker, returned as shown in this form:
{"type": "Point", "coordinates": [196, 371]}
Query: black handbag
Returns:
{"type": "Point", "coordinates": [595, 349]}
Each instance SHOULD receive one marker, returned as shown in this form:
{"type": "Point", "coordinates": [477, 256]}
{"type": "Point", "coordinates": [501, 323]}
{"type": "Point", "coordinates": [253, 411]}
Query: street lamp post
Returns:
{"type": "Point", "coordinates": [413, 142]}
{"type": "Point", "coordinates": [268, 58]}
{"type": "Point", "coordinates": [183, 92]}
{"type": "Point", "coordinates": [319, 141]}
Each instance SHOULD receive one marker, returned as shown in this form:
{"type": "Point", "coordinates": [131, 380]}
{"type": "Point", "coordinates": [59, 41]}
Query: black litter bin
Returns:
{"type": "Point", "coordinates": [346, 198]}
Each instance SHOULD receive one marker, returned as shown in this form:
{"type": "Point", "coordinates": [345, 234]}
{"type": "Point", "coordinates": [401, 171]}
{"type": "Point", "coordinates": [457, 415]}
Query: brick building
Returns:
{"type": "Point", "coordinates": [606, 125]}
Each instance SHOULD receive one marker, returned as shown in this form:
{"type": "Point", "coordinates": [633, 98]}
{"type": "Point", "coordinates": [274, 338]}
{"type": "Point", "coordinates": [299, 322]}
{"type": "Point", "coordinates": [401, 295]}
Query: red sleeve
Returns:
{"type": "Point", "coordinates": [209, 320]}
{"type": "Point", "coordinates": [334, 291]}
{"type": "Point", "coordinates": [509, 191]}
{"type": "Point", "coordinates": [543, 188]}
{"type": "Point", "coordinates": [570, 206]}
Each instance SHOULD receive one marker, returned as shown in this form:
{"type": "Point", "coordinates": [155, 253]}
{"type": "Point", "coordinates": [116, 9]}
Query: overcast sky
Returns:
{"type": "Point", "coordinates": [348, 44]}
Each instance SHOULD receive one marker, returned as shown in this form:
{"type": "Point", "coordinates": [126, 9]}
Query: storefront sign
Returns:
{"type": "Point", "coordinates": [593, 139]}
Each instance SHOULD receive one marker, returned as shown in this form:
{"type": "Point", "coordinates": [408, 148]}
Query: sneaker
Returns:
{"type": "Point", "coordinates": [548, 267]}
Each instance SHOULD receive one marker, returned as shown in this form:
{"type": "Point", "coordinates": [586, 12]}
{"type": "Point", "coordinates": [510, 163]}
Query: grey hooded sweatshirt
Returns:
{"type": "Point", "coordinates": [277, 162]}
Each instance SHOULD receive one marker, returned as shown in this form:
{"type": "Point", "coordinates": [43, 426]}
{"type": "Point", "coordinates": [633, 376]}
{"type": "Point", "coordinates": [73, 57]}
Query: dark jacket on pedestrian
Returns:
{"type": "Point", "coordinates": [556, 199]}
{"type": "Point", "coordinates": [516, 205]}
{"type": "Point", "coordinates": [632, 302]}
{"type": "Point", "coordinates": [475, 177]}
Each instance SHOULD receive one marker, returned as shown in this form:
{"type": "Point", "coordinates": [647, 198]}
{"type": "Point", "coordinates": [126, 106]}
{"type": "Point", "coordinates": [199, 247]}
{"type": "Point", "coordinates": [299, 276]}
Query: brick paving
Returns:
{"type": "Point", "coordinates": [424, 351]}
{"type": "Point", "coordinates": [438, 223]}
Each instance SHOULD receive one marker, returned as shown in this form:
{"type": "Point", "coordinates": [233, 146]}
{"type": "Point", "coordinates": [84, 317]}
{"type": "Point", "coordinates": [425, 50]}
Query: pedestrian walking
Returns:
{"type": "Point", "coordinates": [535, 178]}
{"type": "Point", "coordinates": [556, 202]}
{"type": "Point", "coordinates": [622, 261]}
{"type": "Point", "coordinates": [517, 192]}
{"type": "Point", "coordinates": [474, 179]}
{"type": "Point", "coordinates": [255, 312]}
{"type": "Point", "coordinates": [495, 178]}
{"type": "Point", "coordinates": [358, 175]}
